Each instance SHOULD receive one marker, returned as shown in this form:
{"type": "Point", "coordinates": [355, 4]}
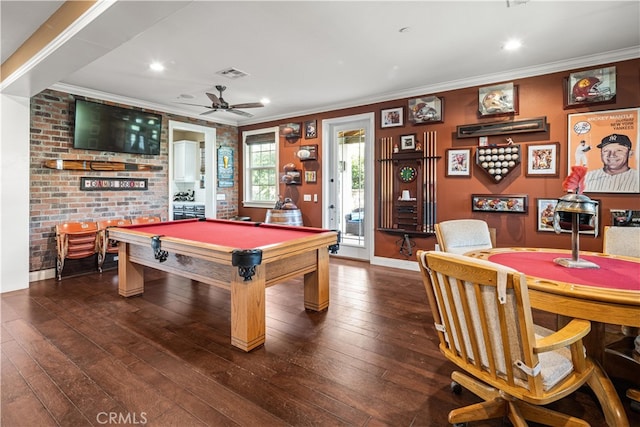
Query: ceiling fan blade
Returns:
{"type": "Point", "coordinates": [213, 110]}
{"type": "Point", "coordinates": [248, 105]}
{"type": "Point", "coordinates": [195, 105]}
{"type": "Point", "coordinates": [239, 112]}
{"type": "Point", "coordinates": [213, 98]}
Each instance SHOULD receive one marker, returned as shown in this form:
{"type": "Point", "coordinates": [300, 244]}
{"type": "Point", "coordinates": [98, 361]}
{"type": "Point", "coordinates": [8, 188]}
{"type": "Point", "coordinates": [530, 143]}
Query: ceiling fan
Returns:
{"type": "Point", "coordinates": [218, 103]}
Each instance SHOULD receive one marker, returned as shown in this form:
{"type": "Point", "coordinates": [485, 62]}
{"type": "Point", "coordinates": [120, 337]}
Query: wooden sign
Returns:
{"type": "Point", "coordinates": [113, 184]}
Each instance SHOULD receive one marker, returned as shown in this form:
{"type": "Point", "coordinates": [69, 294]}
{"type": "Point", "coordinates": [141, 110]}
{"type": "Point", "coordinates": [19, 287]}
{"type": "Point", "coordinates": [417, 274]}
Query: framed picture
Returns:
{"type": "Point", "coordinates": [606, 142]}
{"type": "Point", "coordinates": [545, 210]}
{"type": "Point", "coordinates": [514, 203]}
{"type": "Point", "coordinates": [498, 100]}
{"type": "Point", "coordinates": [544, 214]}
{"type": "Point", "coordinates": [425, 110]}
{"type": "Point", "coordinates": [290, 132]}
{"type": "Point", "coordinates": [408, 142]}
{"type": "Point", "coordinates": [459, 162]}
{"type": "Point", "coordinates": [597, 86]}
{"type": "Point", "coordinates": [392, 117]}
{"type": "Point", "coordinates": [310, 129]}
{"type": "Point", "coordinates": [291, 177]}
{"type": "Point", "coordinates": [542, 159]}
{"type": "Point", "coordinates": [310, 177]}
{"type": "Point", "coordinates": [625, 217]}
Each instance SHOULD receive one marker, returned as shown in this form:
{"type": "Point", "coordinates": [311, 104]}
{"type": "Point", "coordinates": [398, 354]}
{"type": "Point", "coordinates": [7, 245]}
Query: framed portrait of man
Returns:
{"type": "Point", "coordinates": [606, 143]}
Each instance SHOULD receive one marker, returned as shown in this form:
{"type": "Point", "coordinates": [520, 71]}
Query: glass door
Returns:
{"type": "Point", "coordinates": [348, 201]}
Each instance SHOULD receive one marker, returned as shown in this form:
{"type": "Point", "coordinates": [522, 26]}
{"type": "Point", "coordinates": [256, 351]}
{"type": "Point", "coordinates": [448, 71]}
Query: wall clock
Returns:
{"type": "Point", "coordinates": [408, 173]}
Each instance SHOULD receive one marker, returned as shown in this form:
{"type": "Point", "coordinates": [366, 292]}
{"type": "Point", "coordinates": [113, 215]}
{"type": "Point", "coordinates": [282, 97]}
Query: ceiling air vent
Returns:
{"type": "Point", "coordinates": [232, 73]}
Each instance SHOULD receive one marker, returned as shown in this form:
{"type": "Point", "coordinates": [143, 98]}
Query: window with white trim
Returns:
{"type": "Point", "coordinates": [260, 150]}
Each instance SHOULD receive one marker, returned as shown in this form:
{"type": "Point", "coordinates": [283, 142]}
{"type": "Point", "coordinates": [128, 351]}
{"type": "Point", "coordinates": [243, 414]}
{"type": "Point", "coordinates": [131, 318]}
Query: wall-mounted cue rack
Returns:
{"type": "Point", "coordinates": [408, 187]}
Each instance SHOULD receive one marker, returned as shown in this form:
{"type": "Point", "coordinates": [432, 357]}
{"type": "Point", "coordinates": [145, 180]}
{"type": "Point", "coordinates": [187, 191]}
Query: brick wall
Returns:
{"type": "Point", "coordinates": [55, 195]}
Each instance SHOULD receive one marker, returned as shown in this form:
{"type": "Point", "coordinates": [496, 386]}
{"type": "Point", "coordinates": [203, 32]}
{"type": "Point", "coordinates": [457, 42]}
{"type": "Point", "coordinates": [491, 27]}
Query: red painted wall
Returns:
{"type": "Point", "coordinates": [538, 96]}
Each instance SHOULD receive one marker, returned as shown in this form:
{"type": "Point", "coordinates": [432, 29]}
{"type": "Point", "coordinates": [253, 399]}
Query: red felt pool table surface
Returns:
{"type": "Point", "coordinates": [236, 234]}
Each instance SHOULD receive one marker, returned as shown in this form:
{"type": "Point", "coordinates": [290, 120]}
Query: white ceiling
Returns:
{"type": "Point", "coordinates": [308, 57]}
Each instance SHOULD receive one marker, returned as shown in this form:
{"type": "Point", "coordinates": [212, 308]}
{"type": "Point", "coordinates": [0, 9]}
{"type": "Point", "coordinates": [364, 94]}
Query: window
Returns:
{"type": "Point", "coordinates": [260, 167]}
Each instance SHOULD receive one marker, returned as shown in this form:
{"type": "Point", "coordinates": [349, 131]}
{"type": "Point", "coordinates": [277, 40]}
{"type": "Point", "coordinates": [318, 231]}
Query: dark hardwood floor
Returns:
{"type": "Point", "coordinates": [74, 353]}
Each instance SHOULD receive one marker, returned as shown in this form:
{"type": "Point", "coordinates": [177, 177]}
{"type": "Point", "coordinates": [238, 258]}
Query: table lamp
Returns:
{"type": "Point", "coordinates": [575, 212]}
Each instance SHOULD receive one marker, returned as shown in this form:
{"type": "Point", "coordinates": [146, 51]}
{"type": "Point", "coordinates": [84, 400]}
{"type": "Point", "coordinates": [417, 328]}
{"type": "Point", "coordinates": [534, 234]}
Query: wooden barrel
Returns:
{"type": "Point", "coordinates": [285, 217]}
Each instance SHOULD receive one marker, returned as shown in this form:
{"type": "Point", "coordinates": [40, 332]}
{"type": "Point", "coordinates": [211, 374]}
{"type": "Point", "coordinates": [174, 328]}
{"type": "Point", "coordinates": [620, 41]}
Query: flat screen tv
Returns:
{"type": "Point", "coordinates": [109, 128]}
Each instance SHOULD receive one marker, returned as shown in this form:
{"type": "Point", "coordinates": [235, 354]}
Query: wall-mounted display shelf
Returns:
{"type": "Point", "coordinates": [407, 187]}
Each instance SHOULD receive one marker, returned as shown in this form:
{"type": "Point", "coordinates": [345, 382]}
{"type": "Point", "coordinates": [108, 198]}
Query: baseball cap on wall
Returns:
{"type": "Point", "coordinates": [615, 138]}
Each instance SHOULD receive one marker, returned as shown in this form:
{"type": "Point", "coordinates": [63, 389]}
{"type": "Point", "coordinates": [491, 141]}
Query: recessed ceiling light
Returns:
{"type": "Point", "coordinates": [513, 44]}
{"type": "Point", "coordinates": [265, 101]}
{"type": "Point", "coordinates": [156, 66]}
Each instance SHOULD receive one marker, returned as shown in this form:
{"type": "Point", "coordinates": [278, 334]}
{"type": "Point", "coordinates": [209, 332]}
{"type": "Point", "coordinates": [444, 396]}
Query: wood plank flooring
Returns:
{"type": "Point", "coordinates": [74, 353]}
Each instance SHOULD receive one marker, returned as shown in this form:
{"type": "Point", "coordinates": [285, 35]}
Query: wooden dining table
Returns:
{"type": "Point", "coordinates": [608, 294]}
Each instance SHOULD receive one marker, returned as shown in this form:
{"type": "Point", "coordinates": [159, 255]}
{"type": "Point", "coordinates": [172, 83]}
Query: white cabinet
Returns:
{"type": "Point", "coordinates": [185, 161]}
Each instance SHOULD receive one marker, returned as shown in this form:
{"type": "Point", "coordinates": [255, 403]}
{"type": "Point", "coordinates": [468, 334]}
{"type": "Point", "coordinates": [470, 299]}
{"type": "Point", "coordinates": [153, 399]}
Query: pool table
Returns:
{"type": "Point", "coordinates": [243, 257]}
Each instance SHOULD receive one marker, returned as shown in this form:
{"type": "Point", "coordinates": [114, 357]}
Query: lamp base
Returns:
{"type": "Point", "coordinates": [579, 263]}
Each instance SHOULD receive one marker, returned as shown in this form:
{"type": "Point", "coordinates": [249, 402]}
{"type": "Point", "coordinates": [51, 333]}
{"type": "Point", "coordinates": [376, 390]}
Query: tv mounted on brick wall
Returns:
{"type": "Point", "coordinates": [109, 128]}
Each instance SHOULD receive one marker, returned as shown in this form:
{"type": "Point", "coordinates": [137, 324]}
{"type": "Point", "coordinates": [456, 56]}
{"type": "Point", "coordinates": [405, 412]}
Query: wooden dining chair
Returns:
{"type": "Point", "coordinates": [484, 324]}
{"type": "Point", "coordinates": [621, 241]}
{"type": "Point", "coordinates": [74, 240]}
{"type": "Point", "coordinates": [106, 245]}
{"type": "Point", "coordinates": [145, 219]}
{"type": "Point", "coordinates": [464, 235]}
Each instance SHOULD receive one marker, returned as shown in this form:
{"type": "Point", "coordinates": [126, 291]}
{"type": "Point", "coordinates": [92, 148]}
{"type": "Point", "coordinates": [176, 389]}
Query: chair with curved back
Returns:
{"type": "Point", "coordinates": [464, 235]}
{"type": "Point", "coordinates": [485, 326]}
{"type": "Point", "coordinates": [624, 241]}
{"type": "Point", "coordinates": [145, 219]}
{"type": "Point", "coordinates": [74, 240]}
{"type": "Point", "coordinates": [106, 245]}
{"type": "Point", "coordinates": [621, 241]}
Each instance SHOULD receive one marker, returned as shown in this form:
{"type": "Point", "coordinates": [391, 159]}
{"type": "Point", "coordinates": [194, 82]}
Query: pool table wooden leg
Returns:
{"type": "Point", "coordinates": [316, 283]}
{"type": "Point", "coordinates": [130, 275]}
{"type": "Point", "coordinates": [248, 310]}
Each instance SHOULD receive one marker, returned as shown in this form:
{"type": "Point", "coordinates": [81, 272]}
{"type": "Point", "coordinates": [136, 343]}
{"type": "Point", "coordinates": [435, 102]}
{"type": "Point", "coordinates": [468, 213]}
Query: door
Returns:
{"type": "Point", "coordinates": [203, 181]}
{"type": "Point", "coordinates": [347, 202]}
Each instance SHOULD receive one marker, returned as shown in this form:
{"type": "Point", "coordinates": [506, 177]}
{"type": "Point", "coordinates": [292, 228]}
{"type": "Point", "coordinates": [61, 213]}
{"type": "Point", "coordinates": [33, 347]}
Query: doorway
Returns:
{"type": "Point", "coordinates": [347, 191]}
{"type": "Point", "coordinates": [203, 184]}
